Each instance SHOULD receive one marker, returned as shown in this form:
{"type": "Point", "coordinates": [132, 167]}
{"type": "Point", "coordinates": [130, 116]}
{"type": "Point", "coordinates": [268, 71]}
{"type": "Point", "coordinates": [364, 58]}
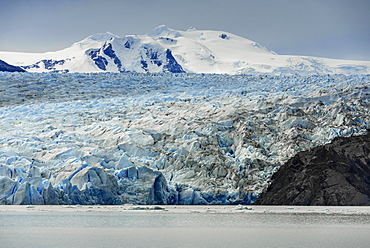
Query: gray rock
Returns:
{"type": "Point", "coordinates": [333, 174]}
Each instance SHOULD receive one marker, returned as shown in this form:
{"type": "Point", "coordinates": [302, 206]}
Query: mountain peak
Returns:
{"type": "Point", "coordinates": [102, 36]}
{"type": "Point", "coordinates": [165, 31]}
{"type": "Point", "coordinates": [191, 29]}
{"type": "Point", "coordinates": [95, 40]}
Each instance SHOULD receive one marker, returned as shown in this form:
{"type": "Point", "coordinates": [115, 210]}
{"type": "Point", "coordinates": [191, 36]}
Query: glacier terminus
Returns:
{"type": "Point", "coordinates": [164, 138]}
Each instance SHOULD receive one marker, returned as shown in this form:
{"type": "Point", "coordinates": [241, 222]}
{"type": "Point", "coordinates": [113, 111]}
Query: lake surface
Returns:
{"type": "Point", "coordinates": [183, 226]}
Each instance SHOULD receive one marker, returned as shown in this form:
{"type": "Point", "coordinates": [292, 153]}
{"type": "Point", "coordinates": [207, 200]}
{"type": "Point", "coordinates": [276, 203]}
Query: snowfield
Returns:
{"type": "Point", "coordinates": [164, 138]}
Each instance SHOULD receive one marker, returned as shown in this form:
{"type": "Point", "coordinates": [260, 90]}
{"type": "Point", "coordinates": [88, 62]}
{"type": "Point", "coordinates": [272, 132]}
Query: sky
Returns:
{"type": "Point", "coordinates": [322, 28]}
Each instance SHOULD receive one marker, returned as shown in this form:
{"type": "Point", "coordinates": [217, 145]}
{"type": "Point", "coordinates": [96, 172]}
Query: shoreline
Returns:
{"type": "Point", "coordinates": [222, 209]}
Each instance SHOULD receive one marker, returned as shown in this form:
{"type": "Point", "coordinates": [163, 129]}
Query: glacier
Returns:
{"type": "Point", "coordinates": [164, 138]}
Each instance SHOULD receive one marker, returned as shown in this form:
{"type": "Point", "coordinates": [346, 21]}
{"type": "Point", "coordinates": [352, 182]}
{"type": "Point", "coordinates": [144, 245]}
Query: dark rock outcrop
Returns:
{"type": "Point", "coordinates": [10, 68]}
{"type": "Point", "coordinates": [333, 174]}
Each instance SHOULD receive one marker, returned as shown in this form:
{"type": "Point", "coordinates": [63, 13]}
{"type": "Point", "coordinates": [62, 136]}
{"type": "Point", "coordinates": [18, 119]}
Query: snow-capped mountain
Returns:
{"type": "Point", "coordinates": [168, 50]}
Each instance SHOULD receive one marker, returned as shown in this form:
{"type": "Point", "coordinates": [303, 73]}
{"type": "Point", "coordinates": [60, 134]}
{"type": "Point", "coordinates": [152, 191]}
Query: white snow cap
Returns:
{"type": "Point", "coordinates": [163, 30]}
{"type": "Point", "coordinates": [191, 29]}
{"type": "Point", "coordinates": [168, 50]}
{"type": "Point", "coordinates": [93, 41]}
{"type": "Point", "coordinates": [102, 36]}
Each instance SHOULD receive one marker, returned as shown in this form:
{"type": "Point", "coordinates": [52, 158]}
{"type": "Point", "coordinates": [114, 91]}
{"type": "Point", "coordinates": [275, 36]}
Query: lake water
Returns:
{"type": "Point", "coordinates": [222, 226]}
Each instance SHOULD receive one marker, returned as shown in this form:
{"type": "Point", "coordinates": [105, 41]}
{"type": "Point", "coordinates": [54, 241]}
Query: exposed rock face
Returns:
{"type": "Point", "coordinates": [333, 174]}
{"type": "Point", "coordinates": [6, 67]}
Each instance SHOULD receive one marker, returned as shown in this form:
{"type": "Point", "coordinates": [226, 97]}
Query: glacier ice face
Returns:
{"type": "Point", "coordinates": [164, 138]}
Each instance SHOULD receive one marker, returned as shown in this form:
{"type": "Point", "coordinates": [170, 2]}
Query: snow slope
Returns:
{"type": "Point", "coordinates": [114, 138]}
{"type": "Point", "coordinates": [168, 50]}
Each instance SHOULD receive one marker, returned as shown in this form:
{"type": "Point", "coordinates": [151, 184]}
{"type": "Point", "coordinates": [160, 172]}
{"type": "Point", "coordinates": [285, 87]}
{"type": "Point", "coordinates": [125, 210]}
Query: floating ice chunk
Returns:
{"type": "Point", "coordinates": [241, 207]}
{"type": "Point", "coordinates": [146, 208]}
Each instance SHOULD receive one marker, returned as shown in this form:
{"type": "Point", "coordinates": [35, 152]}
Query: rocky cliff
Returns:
{"type": "Point", "coordinates": [337, 173]}
{"type": "Point", "coordinates": [6, 67]}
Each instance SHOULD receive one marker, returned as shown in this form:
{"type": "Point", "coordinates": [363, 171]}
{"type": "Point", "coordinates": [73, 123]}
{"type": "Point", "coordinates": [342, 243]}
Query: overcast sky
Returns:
{"type": "Point", "coordinates": [324, 28]}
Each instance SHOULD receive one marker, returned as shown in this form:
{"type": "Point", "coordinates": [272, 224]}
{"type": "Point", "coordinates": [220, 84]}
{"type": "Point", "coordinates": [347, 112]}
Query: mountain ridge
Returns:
{"type": "Point", "coordinates": [168, 50]}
